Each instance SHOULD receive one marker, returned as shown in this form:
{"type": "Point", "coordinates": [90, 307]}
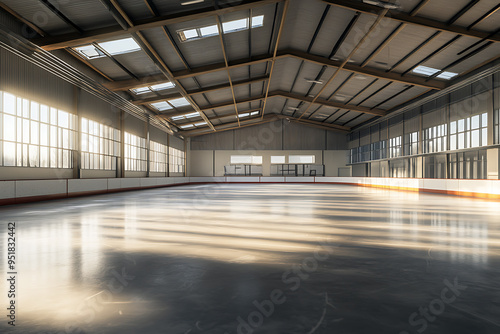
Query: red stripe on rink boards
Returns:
{"type": "Point", "coordinates": [31, 199]}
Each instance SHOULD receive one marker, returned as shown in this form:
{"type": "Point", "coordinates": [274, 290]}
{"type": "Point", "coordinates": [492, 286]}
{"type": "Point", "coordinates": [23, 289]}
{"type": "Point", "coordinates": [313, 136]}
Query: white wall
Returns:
{"type": "Point", "coordinates": [201, 162]}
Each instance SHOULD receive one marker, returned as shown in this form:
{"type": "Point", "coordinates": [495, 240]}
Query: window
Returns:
{"type": "Point", "coordinates": [379, 150]}
{"type": "Point", "coordinates": [100, 145]}
{"type": "Point", "coordinates": [395, 146]}
{"type": "Point", "coordinates": [135, 153]}
{"type": "Point", "coordinates": [167, 105]}
{"type": "Point", "coordinates": [116, 47]}
{"type": "Point", "coordinates": [227, 27]}
{"type": "Point", "coordinates": [35, 135]}
{"type": "Point", "coordinates": [469, 132]}
{"type": "Point", "coordinates": [153, 88]}
{"type": "Point", "coordinates": [177, 160]}
{"type": "Point", "coordinates": [428, 71]}
{"type": "Point", "coordinates": [246, 159]}
{"type": "Point", "coordinates": [435, 139]}
{"type": "Point", "coordinates": [278, 159]}
{"type": "Point", "coordinates": [157, 157]}
{"type": "Point", "coordinates": [301, 159]}
{"type": "Point", "coordinates": [411, 143]}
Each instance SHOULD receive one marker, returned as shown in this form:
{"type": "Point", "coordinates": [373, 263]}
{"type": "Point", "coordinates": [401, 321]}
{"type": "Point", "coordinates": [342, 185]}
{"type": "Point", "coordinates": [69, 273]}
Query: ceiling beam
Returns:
{"type": "Point", "coordinates": [324, 126]}
{"type": "Point", "coordinates": [287, 95]}
{"type": "Point", "coordinates": [326, 103]}
{"type": "Point", "coordinates": [157, 99]}
{"type": "Point", "coordinates": [231, 126]}
{"type": "Point", "coordinates": [183, 74]}
{"type": "Point", "coordinates": [159, 62]}
{"type": "Point", "coordinates": [223, 47]}
{"type": "Point", "coordinates": [217, 118]}
{"type": "Point", "coordinates": [273, 62]}
{"type": "Point", "coordinates": [413, 20]}
{"type": "Point", "coordinates": [72, 40]}
{"type": "Point", "coordinates": [372, 72]}
{"type": "Point", "coordinates": [301, 55]}
{"type": "Point", "coordinates": [134, 83]}
{"type": "Point", "coordinates": [214, 88]}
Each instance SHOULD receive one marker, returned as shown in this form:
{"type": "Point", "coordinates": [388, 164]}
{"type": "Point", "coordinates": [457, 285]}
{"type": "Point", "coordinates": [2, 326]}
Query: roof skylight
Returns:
{"type": "Point", "coordinates": [116, 47]}
{"type": "Point", "coordinates": [235, 25]}
{"type": "Point", "coordinates": [253, 113]}
{"type": "Point", "coordinates": [161, 106]}
{"type": "Point", "coordinates": [162, 86]}
{"type": "Point", "coordinates": [428, 71]}
{"type": "Point", "coordinates": [191, 115]}
{"type": "Point", "coordinates": [447, 75]}
{"type": "Point", "coordinates": [153, 88]}
{"type": "Point", "coordinates": [227, 27]}
{"type": "Point", "coordinates": [182, 102]}
{"type": "Point", "coordinates": [186, 126]}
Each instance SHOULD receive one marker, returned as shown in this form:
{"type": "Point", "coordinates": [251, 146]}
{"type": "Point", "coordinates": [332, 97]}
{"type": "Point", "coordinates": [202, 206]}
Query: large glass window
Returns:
{"type": "Point", "coordinates": [301, 159]}
{"type": "Point", "coordinates": [34, 134]}
{"type": "Point", "coordinates": [177, 160]}
{"type": "Point", "coordinates": [435, 139]}
{"type": "Point", "coordinates": [100, 145]}
{"type": "Point", "coordinates": [135, 153]}
{"type": "Point", "coordinates": [469, 132]}
{"type": "Point", "coordinates": [246, 159]}
{"type": "Point", "coordinates": [395, 147]}
{"type": "Point", "coordinates": [411, 143]}
{"type": "Point", "coordinates": [158, 157]}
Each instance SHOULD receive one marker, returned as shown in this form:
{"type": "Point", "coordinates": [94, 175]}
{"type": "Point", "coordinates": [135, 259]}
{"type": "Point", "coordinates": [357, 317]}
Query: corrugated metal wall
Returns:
{"type": "Point", "coordinates": [98, 110]}
{"type": "Point", "coordinates": [279, 135]}
{"type": "Point", "coordinates": [24, 79]}
{"type": "Point", "coordinates": [177, 143]}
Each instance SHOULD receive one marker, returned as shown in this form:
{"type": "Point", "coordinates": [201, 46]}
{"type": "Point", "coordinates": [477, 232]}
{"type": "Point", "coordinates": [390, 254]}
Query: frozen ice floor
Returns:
{"type": "Point", "coordinates": [255, 259]}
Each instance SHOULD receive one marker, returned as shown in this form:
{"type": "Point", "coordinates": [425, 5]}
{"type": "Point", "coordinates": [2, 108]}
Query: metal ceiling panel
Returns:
{"type": "Point", "coordinates": [298, 27]}
{"type": "Point", "coordinates": [138, 63]}
{"type": "Point", "coordinates": [136, 10]}
{"type": "Point", "coordinates": [442, 10]}
{"type": "Point", "coordinates": [481, 8]}
{"type": "Point", "coordinates": [331, 30]}
{"type": "Point", "coordinates": [109, 68]}
{"type": "Point", "coordinates": [158, 39]}
{"type": "Point", "coordinates": [34, 11]}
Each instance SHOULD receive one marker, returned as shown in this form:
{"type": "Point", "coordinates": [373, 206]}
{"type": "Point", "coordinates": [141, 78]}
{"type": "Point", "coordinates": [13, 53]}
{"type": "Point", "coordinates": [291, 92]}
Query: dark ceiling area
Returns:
{"type": "Point", "coordinates": [205, 66]}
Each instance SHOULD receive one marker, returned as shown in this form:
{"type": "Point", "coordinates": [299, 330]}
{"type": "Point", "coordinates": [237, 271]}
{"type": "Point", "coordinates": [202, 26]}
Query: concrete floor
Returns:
{"type": "Point", "coordinates": [256, 259]}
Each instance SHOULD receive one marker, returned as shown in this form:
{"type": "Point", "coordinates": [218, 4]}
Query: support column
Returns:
{"type": "Point", "coordinates": [77, 152]}
{"type": "Point", "coordinates": [120, 163]}
{"type": "Point", "coordinates": [168, 156]}
{"type": "Point", "coordinates": [148, 147]}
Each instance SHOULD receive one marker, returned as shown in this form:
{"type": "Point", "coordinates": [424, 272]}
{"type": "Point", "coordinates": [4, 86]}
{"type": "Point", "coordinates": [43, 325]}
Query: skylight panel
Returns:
{"type": "Point", "coordinates": [195, 114]}
{"type": "Point", "coordinates": [120, 46]}
{"type": "Point", "coordinates": [190, 34]}
{"type": "Point", "coordinates": [201, 124]}
{"type": "Point", "coordinates": [166, 85]}
{"type": "Point", "coordinates": [235, 25]}
{"type": "Point", "coordinates": [161, 106]}
{"type": "Point", "coordinates": [257, 21]}
{"type": "Point", "coordinates": [209, 31]}
{"type": "Point", "coordinates": [89, 51]}
{"type": "Point", "coordinates": [243, 115]}
{"type": "Point", "coordinates": [254, 113]}
{"type": "Point", "coordinates": [424, 70]}
{"type": "Point", "coordinates": [186, 126]}
{"type": "Point", "coordinates": [447, 75]}
{"type": "Point", "coordinates": [141, 90]}
{"type": "Point", "coordinates": [179, 102]}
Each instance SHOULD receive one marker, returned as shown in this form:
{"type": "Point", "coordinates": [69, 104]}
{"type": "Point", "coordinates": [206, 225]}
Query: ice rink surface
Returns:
{"type": "Point", "coordinates": [255, 258]}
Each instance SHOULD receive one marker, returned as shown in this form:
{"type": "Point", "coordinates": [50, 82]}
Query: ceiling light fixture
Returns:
{"type": "Point", "coordinates": [192, 2]}
{"type": "Point", "coordinates": [383, 4]}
